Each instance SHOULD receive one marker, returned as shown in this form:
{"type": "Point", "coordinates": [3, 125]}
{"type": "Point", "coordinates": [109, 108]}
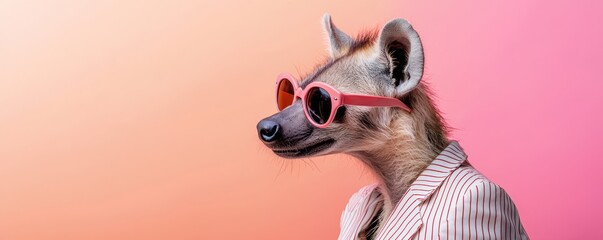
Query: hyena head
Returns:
{"type": "Point", "coordinates": [387, 63]}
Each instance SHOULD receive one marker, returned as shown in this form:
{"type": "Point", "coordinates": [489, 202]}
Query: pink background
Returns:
{"type": "Point", "coordinates": [520, 80]}
{"type": "Point", "coordinates": [136, 119]}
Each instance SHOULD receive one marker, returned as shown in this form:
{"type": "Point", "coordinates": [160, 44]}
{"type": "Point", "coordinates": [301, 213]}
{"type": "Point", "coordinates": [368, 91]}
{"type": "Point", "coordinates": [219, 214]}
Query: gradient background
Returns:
{"type": "Point", "coordinates": [136, 119]}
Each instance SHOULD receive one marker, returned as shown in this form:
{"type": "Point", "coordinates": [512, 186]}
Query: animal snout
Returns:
{"type": "Point", "coordinates": [269, 130]}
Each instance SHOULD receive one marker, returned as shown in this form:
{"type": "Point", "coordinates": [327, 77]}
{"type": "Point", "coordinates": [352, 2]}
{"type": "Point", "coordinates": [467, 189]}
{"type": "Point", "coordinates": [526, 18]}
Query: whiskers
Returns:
{"type": "Point", "coordinates": [293, 167]}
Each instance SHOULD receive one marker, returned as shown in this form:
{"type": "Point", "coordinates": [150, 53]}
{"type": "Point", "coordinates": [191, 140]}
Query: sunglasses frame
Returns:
{"type": "Point", "coordinates": [338, 99]}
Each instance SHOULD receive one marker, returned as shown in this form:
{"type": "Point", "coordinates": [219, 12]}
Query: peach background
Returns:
{"type": "Point", "coordinates": [136, 119]}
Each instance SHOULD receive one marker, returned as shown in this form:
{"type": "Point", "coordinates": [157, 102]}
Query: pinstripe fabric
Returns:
{"type": "Point", "coordinates": [449, 200]}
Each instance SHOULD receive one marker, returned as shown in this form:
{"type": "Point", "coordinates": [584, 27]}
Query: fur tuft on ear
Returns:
{"type": "Point", "coordinates": [402, 47]}
{"type": "Point", "coordinates": [339, 42]}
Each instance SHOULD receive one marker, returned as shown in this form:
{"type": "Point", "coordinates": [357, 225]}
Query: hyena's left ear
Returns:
{"type": "Point", "coordinates": [400, 44]}
{"type": "Point", "coordinates": [339, 42]}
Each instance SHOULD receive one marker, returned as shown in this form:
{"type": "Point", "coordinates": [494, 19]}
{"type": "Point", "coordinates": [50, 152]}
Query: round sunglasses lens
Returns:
{"type": "Point", "coordinates": [319, 105]}
{"type": "Point", "coordinates": [285, 94]}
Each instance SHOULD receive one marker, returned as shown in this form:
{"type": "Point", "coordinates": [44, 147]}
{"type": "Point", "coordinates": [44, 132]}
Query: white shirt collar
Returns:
{"type": "Point", "coordinates": [363, 205]}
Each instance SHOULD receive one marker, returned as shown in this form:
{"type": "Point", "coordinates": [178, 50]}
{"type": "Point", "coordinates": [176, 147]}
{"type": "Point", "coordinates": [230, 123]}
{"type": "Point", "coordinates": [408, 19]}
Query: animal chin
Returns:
{"type": "Point", "coordinates": [306, 151]}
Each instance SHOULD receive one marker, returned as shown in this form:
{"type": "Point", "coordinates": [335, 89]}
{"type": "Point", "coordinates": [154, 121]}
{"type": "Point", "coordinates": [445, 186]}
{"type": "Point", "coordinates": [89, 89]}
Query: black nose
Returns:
{"type": "Point", "coordinates": [269, 130]}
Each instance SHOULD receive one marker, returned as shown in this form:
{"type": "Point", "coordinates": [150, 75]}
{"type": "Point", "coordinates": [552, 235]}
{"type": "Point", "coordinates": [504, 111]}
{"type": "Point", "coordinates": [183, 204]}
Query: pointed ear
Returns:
{"type": "Point", "coordinates": [339, 42]}
{"type": "Point", "coordinates": [400, 44]}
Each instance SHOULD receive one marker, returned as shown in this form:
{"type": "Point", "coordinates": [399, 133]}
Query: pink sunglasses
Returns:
{"type": "Point", "coordinates": [320, 101]}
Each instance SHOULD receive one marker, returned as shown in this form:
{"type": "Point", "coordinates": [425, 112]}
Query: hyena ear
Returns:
{"type": "Point", "coordinates": [339, 42]}
{"type": "Point", "coordinates": [400, 44]}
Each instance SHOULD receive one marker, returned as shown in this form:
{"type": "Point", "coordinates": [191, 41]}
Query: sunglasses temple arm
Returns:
{"type": "Point", "coordinates": [373, 101]}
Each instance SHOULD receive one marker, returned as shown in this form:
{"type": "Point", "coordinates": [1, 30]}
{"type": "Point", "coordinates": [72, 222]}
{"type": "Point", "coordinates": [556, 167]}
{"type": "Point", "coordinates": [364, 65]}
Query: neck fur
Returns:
{"type": "Point", "coordinates": [413, 142]}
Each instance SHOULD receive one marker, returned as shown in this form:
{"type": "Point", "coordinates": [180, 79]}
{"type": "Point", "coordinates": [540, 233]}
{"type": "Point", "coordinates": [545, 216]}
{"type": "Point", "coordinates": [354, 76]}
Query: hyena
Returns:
{"type": "Point", "coordinates": [399, 145]}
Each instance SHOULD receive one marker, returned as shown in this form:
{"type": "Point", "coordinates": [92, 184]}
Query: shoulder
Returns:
{"type": "Point", "coordinates": [467, 183]}
{"type": "Point", "coordinates": [463, 179]}
{"type": "Point", "coordinates": [482, 208]}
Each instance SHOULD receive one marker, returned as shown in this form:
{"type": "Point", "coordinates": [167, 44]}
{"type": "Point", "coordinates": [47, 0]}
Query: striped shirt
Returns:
{"type": "Point", "coordinates": [449, 200]}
